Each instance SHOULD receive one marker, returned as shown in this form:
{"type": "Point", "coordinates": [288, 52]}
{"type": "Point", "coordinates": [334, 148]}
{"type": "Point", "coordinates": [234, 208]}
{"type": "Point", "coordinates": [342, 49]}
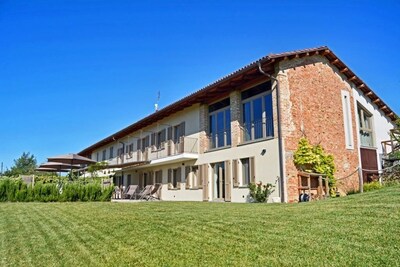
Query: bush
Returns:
{"type": "Point", "coordinates": [260, 192]}
{"type": "Point", "coordinates": [372, 186]}
{"type": "Point", "coordinates": [15, 190]}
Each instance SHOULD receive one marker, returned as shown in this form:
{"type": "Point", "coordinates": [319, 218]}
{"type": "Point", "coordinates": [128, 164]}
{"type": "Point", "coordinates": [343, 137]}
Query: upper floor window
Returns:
{"type": "Point", "coordinates": [220, 124]}
{"type": "Point", "coordinates": [103, 158]}
{"type": "Point", "coordinates": [366, 129]}
{"type": "Point", "coordinates": [97, 156]}
{"type": "Point", "coordinates": [257, 112]}
{"type": "Point", "coordinates": [111, 152]}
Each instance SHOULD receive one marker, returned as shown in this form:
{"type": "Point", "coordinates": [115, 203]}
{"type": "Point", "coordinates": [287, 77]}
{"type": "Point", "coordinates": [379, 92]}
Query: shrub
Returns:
{"type": "Point", "coordinates": [16, 190]}
{"type": "Point", "coordinates": [372, 186]}
{"type": "Point", "coordinates": [260, 192]}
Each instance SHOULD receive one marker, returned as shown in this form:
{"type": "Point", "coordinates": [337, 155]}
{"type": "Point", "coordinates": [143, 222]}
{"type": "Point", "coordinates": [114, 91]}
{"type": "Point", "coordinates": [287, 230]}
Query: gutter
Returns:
{"type": "Point", "coordinates": [282, 182]}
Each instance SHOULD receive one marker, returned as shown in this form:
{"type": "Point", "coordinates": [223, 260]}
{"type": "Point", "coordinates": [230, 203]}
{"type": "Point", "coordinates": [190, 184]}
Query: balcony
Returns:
{"type": "Point", "coordinates": [169, 149]}
{"type": "Point", "coordinates": [219, 139]}
{"type": "Point", "coordinates": [259, 129]}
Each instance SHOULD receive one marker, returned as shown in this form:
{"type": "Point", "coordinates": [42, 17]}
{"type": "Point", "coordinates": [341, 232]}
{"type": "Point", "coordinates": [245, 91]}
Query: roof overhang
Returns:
{"type": "Point", "coordinates": [248, 74]}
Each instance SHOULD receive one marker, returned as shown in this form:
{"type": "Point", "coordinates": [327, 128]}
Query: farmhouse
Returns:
{"type": "Point", "coordinates": [244, 128]}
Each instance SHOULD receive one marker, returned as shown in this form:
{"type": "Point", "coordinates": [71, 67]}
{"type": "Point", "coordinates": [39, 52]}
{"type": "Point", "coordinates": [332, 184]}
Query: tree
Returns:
{"type": "Point", "coordinates": [26, 164]}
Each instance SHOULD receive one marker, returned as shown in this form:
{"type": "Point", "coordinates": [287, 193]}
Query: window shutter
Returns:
{"type": "Point", "coordinates": [252, 170]}
{"type": "Point", "coordinates": [153, 139]}
{"type": "Point", "coordinates": [187, 177]}
{"type": "Point", "coordinates": [141, 180]}
{"type": "Point", "coordinates": [204, 175]}
{"type": "Point", "coordinates": [235, 165]}
{"type": "Point", "coordinates": [182, 130]}
{"type": "Point", "coordinates": [169, 137]}
{"type": "Point", "coordinates": [200, 176]}
{"type": "Point", "coordinates": [228, 183]}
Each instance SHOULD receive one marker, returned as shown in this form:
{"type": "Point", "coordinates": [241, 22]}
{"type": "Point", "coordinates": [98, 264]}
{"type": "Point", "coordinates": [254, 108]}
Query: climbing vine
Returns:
{"type": "Point", "coordinates": [313, 158]}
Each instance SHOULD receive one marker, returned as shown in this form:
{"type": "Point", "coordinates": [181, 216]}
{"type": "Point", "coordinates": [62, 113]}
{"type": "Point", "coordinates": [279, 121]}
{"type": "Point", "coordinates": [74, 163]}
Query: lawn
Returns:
{"type": "Point", "coordinates": [358, 230]}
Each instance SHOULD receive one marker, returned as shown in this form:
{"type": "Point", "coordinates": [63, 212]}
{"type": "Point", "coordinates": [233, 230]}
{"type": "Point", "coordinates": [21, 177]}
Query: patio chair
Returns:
{"type": "Point", "coordinates": [146, 192]}
{"type": "Point", "coordinates": [131, 192]}
{"type": "Point", "coordinates": [156, 192]}
{"type": "Point", "coordinates": [117, 192]}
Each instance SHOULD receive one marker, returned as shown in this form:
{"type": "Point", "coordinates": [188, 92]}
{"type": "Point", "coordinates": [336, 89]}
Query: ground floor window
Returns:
{"type": "Point", "coordinates": [174, 178]}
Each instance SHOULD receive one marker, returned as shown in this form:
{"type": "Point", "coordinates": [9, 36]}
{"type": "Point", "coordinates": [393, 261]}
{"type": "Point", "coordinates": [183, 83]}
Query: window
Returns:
{"type": "Point", "coordinates": [179, 131]}
{"type": "Point", "coordinates": [348, 128]}
{"type": "Point", "coordinates": [174, 178]}
{"type": "Point", "coordinates": [159, 177]}
{"type": "Point", "coordinates": [220, 124]}
{"type": "Point", "coordinates": [129, 149]}
{"type": "Point", "coordinates": [103, 158]}
{"type": "Point", "coordinates": [97, 157]}
{"type": "Point", "coordinates": [257, 112]}
{"type": "Point", "coordinates": [365, 124]}
{"type": "Point", "coordinates": [191, 179]}
{"type": "Point", "coordinates": [245, 171]}
{"type": "Point", "coordinates": [161, 136]}
{"type": "Point", "coordinates": [111, 152]}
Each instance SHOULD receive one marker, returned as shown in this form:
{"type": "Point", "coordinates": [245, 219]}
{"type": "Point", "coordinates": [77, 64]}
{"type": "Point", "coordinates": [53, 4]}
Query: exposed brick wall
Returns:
{"type": "Point", "coordinates": [235, 101]}
{"type": "Point", "coordinates": [312, 106]}
{"type": "Point", "coordinates": [203, 128]}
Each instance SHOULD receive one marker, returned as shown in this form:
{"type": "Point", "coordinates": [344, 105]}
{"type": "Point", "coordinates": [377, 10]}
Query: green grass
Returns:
{"type": "Point", "coordinates": [358, 230]}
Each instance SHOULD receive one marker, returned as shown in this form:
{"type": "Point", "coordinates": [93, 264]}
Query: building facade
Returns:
{"type": "Point", "coordinates": [244, 128]}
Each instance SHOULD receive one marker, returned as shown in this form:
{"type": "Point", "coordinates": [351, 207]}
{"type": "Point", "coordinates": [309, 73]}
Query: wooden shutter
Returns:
{"type": "Point", "coordinates": [199, 175]}
{"type": "Point", "coordinates": [169, 137]}
{"type": "Point", "coordinates": [182, 129]}
{"type": "Point", "coordinates": [228, 178]}
{"type": "Point", "coordinates": [252, 170]}
{"type": "Point", "coordinates": [153, 139]}
{"type": "Point", "coordinates": [141, 180]}
{"type": "Point", "coordinates": [204, 175]}
{"type": "Point", "coordinates": [187, 177]}
{"type": "Point", "coordinates": [235, 172]}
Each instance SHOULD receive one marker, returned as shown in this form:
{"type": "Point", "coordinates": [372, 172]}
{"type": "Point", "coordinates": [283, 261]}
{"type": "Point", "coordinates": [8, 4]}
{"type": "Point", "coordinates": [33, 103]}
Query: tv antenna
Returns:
{"type": "Point", "coordinates": [158, 100]}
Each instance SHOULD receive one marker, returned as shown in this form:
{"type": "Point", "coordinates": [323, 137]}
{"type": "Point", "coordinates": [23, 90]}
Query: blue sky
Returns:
{"type": "Point", "coordinates": [74, 72]}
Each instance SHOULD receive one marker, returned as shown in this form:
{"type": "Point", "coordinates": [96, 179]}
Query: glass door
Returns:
{"type": "Point", "coordinates": [219, 181]}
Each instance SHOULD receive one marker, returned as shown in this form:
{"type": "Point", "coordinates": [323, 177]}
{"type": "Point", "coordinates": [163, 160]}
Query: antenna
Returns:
{"type": "Point", "coordinates": [158, 99]}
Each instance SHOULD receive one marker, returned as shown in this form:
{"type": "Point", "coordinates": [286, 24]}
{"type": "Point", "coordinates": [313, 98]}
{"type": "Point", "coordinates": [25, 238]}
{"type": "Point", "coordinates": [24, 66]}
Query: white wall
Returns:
{"type": "Point", "coordinates": [381, 124]}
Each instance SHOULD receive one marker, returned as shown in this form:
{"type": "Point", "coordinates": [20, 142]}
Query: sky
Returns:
{"type": "Point", "coordinates": [74, 72]}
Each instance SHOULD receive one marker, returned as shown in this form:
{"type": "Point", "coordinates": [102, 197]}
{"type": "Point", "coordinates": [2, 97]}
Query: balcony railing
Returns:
{"type": "Point", "coordinates": [219, 139]}
{"type": "Point", "coordinates": [166, 149]}
{"type": "Point", "coordinates": [257, 129]}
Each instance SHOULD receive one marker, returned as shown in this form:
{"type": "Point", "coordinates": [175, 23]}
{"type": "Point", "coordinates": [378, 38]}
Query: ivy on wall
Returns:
{"type": "Point", "coordinates": [313, 158]}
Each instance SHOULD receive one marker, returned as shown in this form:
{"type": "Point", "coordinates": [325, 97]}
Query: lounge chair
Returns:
{"type": "Point", "coordinates": [156, 192]}
{"type": "Point", "coordinates": [131, 192]}
{"type": "Point", "coordinates": [146, 192]}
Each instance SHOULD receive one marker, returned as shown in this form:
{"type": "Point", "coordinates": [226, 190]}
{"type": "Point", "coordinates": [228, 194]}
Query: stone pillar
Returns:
{"type": "Point", "coordinates": [236, 131]}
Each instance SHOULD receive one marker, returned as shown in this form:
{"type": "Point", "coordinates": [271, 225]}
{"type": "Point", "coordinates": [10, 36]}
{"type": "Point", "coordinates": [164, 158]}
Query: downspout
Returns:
{"type": "Point", "coordinates": [122, 172]}
{"type": "Point", "coordinates": [282, 182]}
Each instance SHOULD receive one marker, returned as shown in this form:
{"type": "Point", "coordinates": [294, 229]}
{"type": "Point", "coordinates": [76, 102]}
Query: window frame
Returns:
{"type": "Point", "coordinates": [264, 117]}
{"type": "Point", "coordinates": [363, 114]}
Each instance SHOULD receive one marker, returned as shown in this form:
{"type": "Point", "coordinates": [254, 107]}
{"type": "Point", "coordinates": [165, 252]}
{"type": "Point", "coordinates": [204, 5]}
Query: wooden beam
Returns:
{"type": "Point", "coordinates": [344, 70]}
{"type": "Point", "coordinates": [361, 86]}
{"type": "Point", "coordinates": [384, 107]}
{"type": "Point", "coordinates": [326, 51]}
{"type": "Point", "coordinates": [369, 93]}
{"type": "Point", "coordinates": [335, 61]}
{"type": "Point", "coordinates": [352, 78]}
{"type": "Point", "coordinates": [316, 52]}
{"type": "Point", "coordinates": [376, 101]}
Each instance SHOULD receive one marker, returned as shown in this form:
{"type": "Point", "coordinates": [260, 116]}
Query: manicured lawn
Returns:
{"type": "Point", "coordinates": [358, 230]}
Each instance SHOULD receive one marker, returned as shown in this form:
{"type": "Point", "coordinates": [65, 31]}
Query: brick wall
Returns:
{"type": "Point", "coordinates": [312, 106]}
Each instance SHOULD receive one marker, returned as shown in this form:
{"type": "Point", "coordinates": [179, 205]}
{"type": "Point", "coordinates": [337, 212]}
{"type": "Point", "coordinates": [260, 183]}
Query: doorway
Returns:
{"type": "Point", "coordinates": [218, 182]}
{"type": "Point", "coordinates": [369, 161]}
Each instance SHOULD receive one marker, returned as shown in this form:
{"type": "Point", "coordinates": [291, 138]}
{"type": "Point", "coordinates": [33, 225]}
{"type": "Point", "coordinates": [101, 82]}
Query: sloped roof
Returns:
{"type": "Point", "coordinates": [239, 77]}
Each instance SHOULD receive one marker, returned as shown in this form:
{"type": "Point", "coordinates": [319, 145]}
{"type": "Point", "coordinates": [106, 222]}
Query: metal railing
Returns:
{"type": "Point", "coordinates": [219, 139]}
{"type": "Point", "coordinates": [257, 129]}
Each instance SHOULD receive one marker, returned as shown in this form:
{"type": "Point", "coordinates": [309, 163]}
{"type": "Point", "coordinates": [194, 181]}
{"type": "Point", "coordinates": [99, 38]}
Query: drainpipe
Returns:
{"type": "Point", "coordinates": [122, 172]}
{"type": "Point", "coordinates": [282, 182]}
